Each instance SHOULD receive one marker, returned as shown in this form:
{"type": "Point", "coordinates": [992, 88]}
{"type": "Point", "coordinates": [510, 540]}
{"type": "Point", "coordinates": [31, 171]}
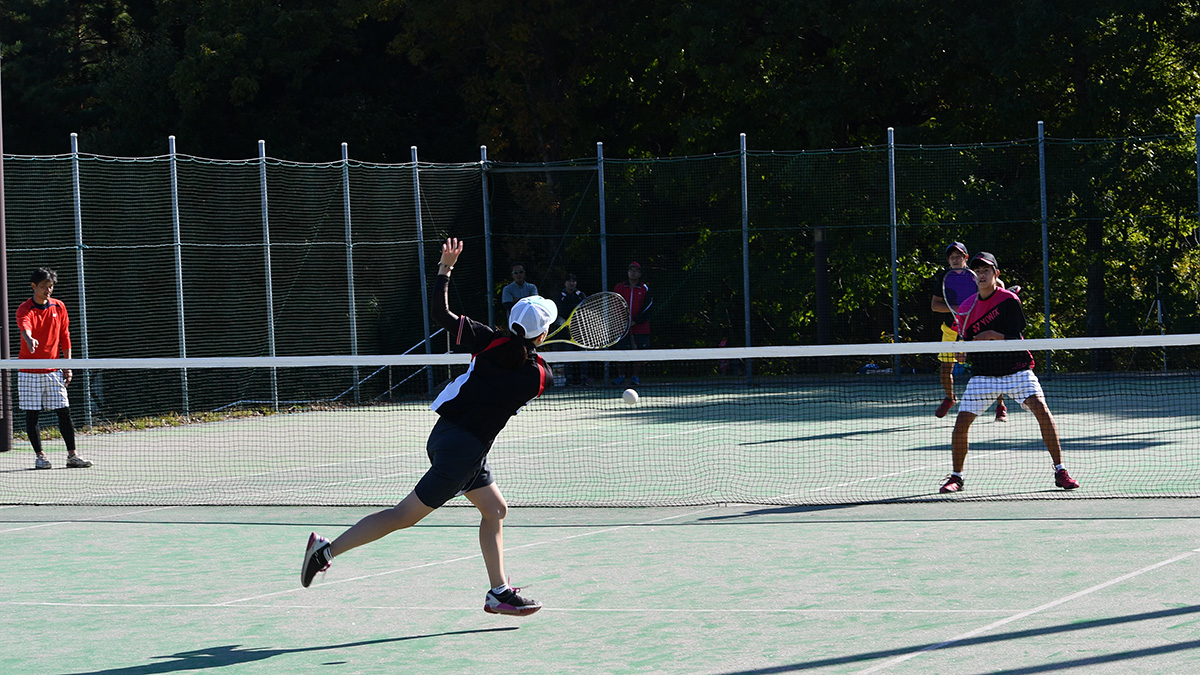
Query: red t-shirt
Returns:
{"type": "Point", "coordinates": [49, 325]}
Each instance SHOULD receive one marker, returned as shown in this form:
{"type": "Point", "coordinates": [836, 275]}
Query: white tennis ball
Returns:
{"type": "Point", "coordinates": [629, 396]}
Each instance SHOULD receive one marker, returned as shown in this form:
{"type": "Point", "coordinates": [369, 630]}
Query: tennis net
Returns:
{"type": "Point", "coordinates": [836, 424]}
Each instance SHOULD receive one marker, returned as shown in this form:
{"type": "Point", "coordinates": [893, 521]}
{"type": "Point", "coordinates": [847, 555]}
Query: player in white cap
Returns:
{"type": "Point", "coordinates": [505, 374]}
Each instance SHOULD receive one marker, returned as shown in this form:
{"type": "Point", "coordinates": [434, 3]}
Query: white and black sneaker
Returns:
{"type": "Point", "coordinates": [510, 602]}
{"type": "Point", "coordinates": [317, 558]}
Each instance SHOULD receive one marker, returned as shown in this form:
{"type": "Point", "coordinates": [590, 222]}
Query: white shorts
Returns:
{"type": "Point", "coordinates": [41, 391]}
{"type": "Point", "coordinates": [983, 389]}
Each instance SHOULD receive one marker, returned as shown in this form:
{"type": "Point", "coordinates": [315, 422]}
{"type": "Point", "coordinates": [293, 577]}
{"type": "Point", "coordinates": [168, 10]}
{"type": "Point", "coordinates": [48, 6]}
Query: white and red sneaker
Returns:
{"type": "Point", "coordinates": [317, 558]}
{"type": "Point", "coordinates": [511, 603]}
{"type": "Point", "coordinates": [953, 484]}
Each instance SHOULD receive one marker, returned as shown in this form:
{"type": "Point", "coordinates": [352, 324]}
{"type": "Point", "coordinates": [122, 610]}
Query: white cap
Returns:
{"type": "Point", "coordinates": [532, 316]}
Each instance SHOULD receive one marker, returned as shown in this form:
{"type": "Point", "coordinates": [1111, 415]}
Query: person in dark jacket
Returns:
{"type": "Point", "coordinates": [505, 374]}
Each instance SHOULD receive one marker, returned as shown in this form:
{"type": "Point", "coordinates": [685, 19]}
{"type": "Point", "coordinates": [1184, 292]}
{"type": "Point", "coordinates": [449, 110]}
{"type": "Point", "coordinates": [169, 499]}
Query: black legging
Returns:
{"type": "Point", "coordinates": [65, 427]}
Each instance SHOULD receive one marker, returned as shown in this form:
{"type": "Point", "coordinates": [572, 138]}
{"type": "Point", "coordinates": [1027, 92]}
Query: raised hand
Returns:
{"type": "Point", "coordinates": [450, 251]}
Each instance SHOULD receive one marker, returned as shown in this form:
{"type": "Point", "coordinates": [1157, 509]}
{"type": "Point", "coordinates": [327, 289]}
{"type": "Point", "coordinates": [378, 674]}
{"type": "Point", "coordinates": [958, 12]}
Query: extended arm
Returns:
{"type": "Point", "coordinates": [440, 302]}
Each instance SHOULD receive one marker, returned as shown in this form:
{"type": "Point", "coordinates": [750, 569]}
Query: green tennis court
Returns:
{"type": "Point", "coordinates": [967, 587]}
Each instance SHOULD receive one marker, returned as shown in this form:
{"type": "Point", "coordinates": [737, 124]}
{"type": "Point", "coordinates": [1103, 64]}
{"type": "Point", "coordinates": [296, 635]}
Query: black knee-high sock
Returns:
{"type": "Point", "coordinates": [34, 431]}
{"type": "Point", "coordinates": [66, 428]}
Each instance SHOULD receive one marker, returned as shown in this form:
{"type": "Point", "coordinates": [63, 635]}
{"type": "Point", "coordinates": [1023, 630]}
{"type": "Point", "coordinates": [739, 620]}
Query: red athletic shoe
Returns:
{"type": "Point", "coordinates": [1001, 413]}
{"type": "Point", "coordinates": [1063, 480]}
{"type": "Point", "coordinates": [946, 405]}
{"type": "Point", "coordinates": [954, 484]}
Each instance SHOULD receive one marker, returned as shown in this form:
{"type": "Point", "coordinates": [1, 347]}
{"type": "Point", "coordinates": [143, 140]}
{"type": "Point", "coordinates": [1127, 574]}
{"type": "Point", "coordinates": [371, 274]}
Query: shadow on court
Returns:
{"type": "Point", "coordinates": [231, 655]}
{"type": "Point", "coordinates": [1012, 635]}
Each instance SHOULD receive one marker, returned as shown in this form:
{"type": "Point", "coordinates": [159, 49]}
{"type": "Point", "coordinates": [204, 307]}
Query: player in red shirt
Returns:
{"type": "Point", "coordinates": [637, 296]}
{"type": "Point", "coordinates": [997, 315]}
{"type": "Point", "coordinates": [44, 327]}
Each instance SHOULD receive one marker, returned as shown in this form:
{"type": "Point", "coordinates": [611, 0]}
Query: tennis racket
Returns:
{"type": "Point", "coordinates": [960, 289]}
{"type": "Point", "coordinates": [600, 321]}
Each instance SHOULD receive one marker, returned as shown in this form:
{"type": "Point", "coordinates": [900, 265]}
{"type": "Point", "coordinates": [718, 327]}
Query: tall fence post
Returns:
{"type": "Point", "coordinates": [1045, 233]}
{"type": "Point", "coordinates": [601, 215]}
{"type": "Point", "coordinates": [487, 237]}
{"type": "Point", "coordinates": [262, 178]}
{"type": "Point", "coordinates": [1045, 240]}
{"type": "Point", "coordinates": [350, 263]}
{"type": "Point", "coordinates": [182, 328]}
{"type": "Point", "coordinates": [421, 262]}
{"type": "Point", "coordinates": [746, 246]}
{"type": "Point", "coordinates": [7, 377]}
{"type": "Point", "coordinates": [603, 231]}
{"type": "Point", "coordinates": [83, 326]}
{"type": "Point", "coordinates": [891, 144]}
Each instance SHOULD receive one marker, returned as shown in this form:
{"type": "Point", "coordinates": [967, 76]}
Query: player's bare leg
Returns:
{"type": "Point", "coordinates": [407, 513]}
{"type": "Point", "coordinates": [1037, 405]}
{"type": "Point", "coordinates": [492, 509]}
{"type": "Point", "coordinates": [958, 440]}
{"type": "Point", "coordinates": [958, 447]}
{"type": "Point", "coordinates": [502, 598]}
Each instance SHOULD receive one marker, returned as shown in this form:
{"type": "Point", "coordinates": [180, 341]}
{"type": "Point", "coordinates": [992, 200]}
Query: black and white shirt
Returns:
{"type": "Point", "coordinates": [484, 398]}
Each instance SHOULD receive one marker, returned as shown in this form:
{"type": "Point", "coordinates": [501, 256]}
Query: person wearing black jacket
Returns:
{"type": "Point", "coordinates": [505, 374]}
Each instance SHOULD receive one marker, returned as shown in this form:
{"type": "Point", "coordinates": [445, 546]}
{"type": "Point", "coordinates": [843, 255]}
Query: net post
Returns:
{"type": "Point", "coordinates": [350, 264]}
{"type": "Point", "coordinates": [487, 237]}
{"type": "Point", "coordinates": [77, 200]}
{"type": "Point", "coordinates": [6, 403]}
{"type": "Point", "coordinates": [421, 263]}
{"type": "Point", "coordinates": [891, 145]}
{"type": "Point", "coordinates": [745, 247]}
{"type": "Point", "coordinates": [183, 374]}
{"type": "Point", "coordinates": [262, 178]}
{"type": "Point", "coordinates": [1045, 236]}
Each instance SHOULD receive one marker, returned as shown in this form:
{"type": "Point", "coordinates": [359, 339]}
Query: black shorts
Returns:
{"type": "Point", "coordinates": [459, 464]}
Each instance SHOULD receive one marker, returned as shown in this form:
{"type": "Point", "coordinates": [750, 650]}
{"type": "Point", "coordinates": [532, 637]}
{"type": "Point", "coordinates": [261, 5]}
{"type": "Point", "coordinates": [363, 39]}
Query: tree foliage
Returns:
{"type": "Point", "coordinates": [544, 80]}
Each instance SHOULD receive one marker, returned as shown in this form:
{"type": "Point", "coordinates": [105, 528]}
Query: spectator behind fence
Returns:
{"type": "Point", "coordinates": [568, 299]}
{"type": "Point", "coordinates": [637, 296]}
{"type": "Point", "coordinates": [516, 290]}
{"type": "Point", "coordinates": [45, 332]}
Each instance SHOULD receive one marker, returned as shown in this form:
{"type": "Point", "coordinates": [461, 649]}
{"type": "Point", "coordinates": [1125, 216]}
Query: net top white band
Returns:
{"type": "Point", "coordinates": [789, 351]}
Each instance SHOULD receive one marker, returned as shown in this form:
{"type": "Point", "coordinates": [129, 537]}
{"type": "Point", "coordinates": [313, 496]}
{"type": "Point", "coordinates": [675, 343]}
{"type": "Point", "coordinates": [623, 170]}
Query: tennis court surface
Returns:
{"type": "Point", "coordinates": [1097, 586]}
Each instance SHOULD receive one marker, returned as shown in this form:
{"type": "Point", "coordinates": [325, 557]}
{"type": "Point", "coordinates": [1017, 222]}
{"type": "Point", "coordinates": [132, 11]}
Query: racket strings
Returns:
{"type": "Point", "coordinates": [600, 321]}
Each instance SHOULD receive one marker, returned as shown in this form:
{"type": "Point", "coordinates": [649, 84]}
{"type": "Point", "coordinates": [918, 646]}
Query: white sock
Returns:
{"type": "Point", "coordinates": [956, 473]}
{"type": "Point", "coordinates": [501, 589]}
{"type": "Point", "coordinates": [1059, 467]}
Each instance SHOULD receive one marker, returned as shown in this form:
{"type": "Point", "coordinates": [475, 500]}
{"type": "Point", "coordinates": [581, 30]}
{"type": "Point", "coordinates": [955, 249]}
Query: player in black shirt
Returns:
{"type": "Point", "coordinates": [997, 315]}
{"type": "Point", "coordinates": [505, 374]}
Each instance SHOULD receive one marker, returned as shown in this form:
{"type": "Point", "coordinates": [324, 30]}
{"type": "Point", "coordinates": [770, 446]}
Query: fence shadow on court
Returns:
{"type": "Point", "coordinates": [231, 655]}
{"type": "Point", "coordinates": [1004, 637]}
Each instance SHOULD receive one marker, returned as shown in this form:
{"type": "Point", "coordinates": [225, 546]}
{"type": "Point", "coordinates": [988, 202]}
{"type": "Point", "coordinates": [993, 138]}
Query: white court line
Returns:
{"type": "Point", "coordinates": [77, 520]}
{"type": "Point", "coordinates": [474, 608]}
{"type": "Point", "coordinates": [1030, 612]}
{"type": "Point", "coordinates": [477, 555]}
